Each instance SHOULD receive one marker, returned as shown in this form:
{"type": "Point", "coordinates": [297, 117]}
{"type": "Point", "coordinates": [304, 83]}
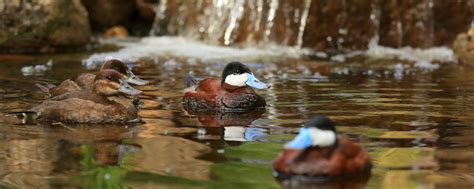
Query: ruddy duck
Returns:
{"type": "Point", "coordinates": [318, 151]}
{"type": "Point", "coordinates": [86, 80]}
{"type": "Point", "coordinates": [106, 102]}
{"type": "Point", "coordinates": [229, 93]}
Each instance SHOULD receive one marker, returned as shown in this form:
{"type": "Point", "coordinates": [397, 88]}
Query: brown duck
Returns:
{"type": "Point", "coordinates": [105, 102]}
{"type": "Point", "coordinates": [86, 80]}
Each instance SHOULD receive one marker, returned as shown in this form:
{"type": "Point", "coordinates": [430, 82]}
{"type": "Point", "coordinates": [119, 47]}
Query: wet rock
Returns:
{"type": "Point", "coordinates": [105, 14]}
{"type": "Point", "coordinates": [42, 26]}
{"type": "Point", "coordinates": [117, 31]}
{"type": "Point", "coordinates": [463, 47]}
{"type": "Point", "coordinates": [136, 16]}
{"type": "Point", "coordinates": [337, 24]}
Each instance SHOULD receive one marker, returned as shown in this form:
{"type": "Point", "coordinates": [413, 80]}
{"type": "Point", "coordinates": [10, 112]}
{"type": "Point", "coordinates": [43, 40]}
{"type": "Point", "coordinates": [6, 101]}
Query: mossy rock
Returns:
{"type": "Point", "coordinates": [43, 26]}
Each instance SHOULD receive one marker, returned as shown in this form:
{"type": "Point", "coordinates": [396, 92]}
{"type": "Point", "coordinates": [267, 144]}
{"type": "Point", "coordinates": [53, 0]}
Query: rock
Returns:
{"type": "Point", "coordinates": [42, 26]}
{"type": "Point", "coordinates": [117, 31]}
{"type": "Point", "coordinates": [463, 47]}
{"type": "Point", "coordinates": [105, 14]}
{"type": "Point", "coordinates": [135, 15]}
{"type": "Point", "coordinates": [146, 9]}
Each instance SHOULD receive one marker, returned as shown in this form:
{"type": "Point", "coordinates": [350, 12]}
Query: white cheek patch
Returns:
{"type": "Point", "coordinates": [237, 80]}
{"type": "Point", "coordinates": [322, 138]}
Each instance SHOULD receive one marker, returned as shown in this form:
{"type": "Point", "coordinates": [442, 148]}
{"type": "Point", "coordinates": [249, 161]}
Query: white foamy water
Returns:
{"type": "Point", "coordinates": [36, 70]}
{"type": "Point", "coordinates": [181, 47]}
{"type": "Point", "coordinates": [439, 54]}
{"type": "Point", "coordinates": [178, 47]}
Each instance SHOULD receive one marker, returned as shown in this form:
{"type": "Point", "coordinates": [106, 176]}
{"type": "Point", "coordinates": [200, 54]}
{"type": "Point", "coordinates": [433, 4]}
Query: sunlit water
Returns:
{"type": "Point", "coordinates": [416, 120]}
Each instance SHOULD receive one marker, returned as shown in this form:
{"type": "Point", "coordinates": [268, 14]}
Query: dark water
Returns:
{"type": "Point", "coordinates": [416, 123]}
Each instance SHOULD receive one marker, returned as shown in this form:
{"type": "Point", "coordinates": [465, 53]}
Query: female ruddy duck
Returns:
{"type": "Point", "coordinates": [230, 93]}
{"type": "Point", "coordinates": [104, 103]}
{"type": "Point", "coordinates": [318, 151]}
{"type": "Point", "coordinates": [86, 80]}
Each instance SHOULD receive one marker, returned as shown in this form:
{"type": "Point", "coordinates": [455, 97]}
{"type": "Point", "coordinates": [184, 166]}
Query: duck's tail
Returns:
{"type": "Point", "coordinates": [190, 81]}
{"type": "Point", "coordinates": [42, 88]}
{"type": "Point", "coordinates": [45, 87]}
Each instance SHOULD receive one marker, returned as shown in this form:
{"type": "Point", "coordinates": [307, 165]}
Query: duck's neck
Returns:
{"type": "Point", "coordinates": [230, 87]}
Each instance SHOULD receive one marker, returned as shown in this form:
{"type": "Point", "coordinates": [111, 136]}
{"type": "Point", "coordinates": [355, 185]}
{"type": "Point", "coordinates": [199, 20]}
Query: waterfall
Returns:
{"type": "Point", "coordinates": [428, 22]}
{"type": "Point", "coordinates": [335, 24]}
{"type": "Point", "coordinates": [234, 22]}
{"type": "Point", "coordinates": [471, 5]}
{"type": "Point", "coordinates": [375, 19]}
{"type": "Point", "coordinates": [304, 17]}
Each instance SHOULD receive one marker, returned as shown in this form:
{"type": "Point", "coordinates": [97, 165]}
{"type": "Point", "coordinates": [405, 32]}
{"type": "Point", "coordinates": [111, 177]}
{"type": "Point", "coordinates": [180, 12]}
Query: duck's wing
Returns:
{"type": "Point", "coordinates": [85, 80]}
{"type": "Point", "coordinates": [357, 159]}
{"type": "Point", "coordinates": [76, 110]}
{"type": "Point", "coordinates": [65, 87]}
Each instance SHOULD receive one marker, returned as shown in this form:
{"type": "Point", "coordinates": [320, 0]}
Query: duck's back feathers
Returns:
{"type": "Point", "coordinates": [85, 80]}
{"type": "Point", "coordinates": [65, 87]}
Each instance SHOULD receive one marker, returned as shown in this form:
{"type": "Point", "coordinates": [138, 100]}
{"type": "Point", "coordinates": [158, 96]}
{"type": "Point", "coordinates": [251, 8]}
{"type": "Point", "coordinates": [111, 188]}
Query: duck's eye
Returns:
{"type": "Point", "coordinates": [109, 78]}
{"type": "Point", "coordinates": [117, 68]}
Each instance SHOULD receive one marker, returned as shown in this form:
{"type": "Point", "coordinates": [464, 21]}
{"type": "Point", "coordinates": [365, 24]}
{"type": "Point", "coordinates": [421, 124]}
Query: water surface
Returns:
{"type": "Point", "coordinates": [416, 122]}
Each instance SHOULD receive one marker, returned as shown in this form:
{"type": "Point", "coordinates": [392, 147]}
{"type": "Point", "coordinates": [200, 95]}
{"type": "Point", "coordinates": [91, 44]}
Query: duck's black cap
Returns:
{"type": "Point", "coordinates": [234, 68]}
{"type": "Point", "coordinates": [320, 122]}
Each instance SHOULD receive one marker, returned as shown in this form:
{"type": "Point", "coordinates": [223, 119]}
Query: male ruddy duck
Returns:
{"type": "Point", "coordinates": [318, 151]}
{"type": "Point", "coordinates": [104, 103]}
{"type": "Point", "coordinates": [229, 93]}
{"type": "Point", "coordinates": [86, 80]}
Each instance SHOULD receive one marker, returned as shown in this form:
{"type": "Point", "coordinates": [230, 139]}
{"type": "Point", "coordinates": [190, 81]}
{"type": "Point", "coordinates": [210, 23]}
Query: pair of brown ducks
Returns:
{"type": "Point", "coordinates": [103, 98]}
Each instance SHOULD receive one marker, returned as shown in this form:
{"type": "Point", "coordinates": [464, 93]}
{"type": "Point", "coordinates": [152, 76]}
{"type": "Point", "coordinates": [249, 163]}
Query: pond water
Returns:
{"type": "Point", "coordinates": [415, 119]}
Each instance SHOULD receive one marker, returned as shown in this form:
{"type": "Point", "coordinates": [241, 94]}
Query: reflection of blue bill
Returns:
{"type": "Point", "coordinates": [243, 134]}
{"type": "Point", "coordinates": [254, 134]}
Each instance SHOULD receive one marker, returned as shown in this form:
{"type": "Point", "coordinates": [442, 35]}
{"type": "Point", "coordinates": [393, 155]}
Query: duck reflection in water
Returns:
{"type": "Point", "coordinates": [104, 142]}
{"type": "Point", "coordinates": [232, 128]}
{"type": "Point", "coordinates": [221, 119]}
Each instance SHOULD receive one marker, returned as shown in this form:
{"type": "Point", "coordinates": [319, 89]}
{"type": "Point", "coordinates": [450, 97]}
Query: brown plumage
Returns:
{"type": "Point", "coordinates": [104, 103]}
{"type": "Point", "coordinates": [86, 80]}
{"type": "Point", "coordinates": [345, 159]}
{"type": "Point", "coordinates": [211, 95]}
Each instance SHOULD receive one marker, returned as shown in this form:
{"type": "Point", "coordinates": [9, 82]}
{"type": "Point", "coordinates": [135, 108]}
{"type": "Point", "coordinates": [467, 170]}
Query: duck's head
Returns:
{"type": "Point", "coordinates": [110, 82]}
{"type": "Point", "coordinates": [319, 131]}
{"type": "Point", "coordinates": [238, 75]}
{"type": "Point", "coordinates": [119, 66]}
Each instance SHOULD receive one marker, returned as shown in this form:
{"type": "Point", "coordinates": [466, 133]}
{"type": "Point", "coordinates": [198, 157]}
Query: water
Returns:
{"type": "Point", "coordinates": [414, 116]}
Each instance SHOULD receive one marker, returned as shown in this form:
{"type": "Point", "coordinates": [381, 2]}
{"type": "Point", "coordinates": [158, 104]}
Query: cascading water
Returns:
{"type": "Point", "coordinates": [228, 22]}
{"type": "Point", "coordinates": [213, 29]}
